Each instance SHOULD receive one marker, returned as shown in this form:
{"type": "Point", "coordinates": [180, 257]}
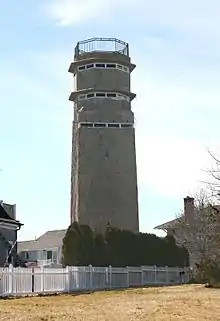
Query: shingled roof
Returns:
{"type": "Point", "coordinates": [174, 223]}
{"type": "Point", "coordinates": [5, 217]}
{"type": "Point", "coordinates": [48, 240]}
{"type": "Point", "coordinates": [3, 214]}
{"type": "Point", "coordinates": [167, 225]}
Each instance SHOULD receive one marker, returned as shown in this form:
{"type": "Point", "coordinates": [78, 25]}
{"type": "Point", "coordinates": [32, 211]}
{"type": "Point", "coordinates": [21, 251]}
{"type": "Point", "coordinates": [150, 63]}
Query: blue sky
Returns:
{"type": "Point", "coordinates": [176, 47]}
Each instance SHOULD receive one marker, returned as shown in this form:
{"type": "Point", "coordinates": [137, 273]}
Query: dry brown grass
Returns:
{"type": "Point", "coordinates": [188, 302]}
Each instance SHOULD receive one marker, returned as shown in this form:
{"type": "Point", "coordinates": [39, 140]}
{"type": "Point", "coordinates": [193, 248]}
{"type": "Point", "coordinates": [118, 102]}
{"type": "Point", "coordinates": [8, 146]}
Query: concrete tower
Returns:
{"type": "Point", "coordinates": [104, 177]}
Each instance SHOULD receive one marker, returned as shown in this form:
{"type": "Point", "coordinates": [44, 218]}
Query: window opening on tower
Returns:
{"type": "Point", "coordinates": [104, 125]}
{"type": "Point", "coordinates": [81, 67]}
{"type": "Point", "coordinates": [100, 125]}
{"type": "Point", "coordinates": [111, 66]}
{"type": "Point", "coordinates": [89, 66]}
{"type": "Point", "coordinates": [113, 125]}
{"type": "Point", "coordinates": [86, 124]}
{"type": "Point", "coordinates": [100, 95]}
{"type": "Point", "coordinates": [103, 66]}
{"type": "Point", "coordinates": [100, 65]}
{"type": "Point", "coordinates": [110, 95]}
{"type": "Point", "coordinates": [126, 125]}
{"type": "Point", "coordinates": [87, 96]}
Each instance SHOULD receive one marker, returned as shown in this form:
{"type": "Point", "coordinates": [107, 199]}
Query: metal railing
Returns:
{"type": "Point", "coordinates": [102, 44]}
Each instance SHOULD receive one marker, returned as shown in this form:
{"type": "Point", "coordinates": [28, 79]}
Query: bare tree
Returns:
{"type": "Point", "coordinates": [213, 182]}
{"type": "Point", "coordinates": [200, 231]}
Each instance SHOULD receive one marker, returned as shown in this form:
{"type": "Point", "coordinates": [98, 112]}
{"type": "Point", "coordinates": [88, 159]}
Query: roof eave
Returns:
{"type": "Point", "coordinates": [12, 222]}
{"type": "Point", "coordinates": [168, 225]}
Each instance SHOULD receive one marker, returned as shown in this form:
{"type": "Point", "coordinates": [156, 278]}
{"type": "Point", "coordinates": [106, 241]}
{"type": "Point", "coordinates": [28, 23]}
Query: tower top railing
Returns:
{"type": "Point", "coordinates": [102, 45]}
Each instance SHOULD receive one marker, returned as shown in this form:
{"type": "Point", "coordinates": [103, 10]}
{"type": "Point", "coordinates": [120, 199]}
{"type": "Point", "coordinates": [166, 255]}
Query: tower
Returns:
{"type": "Point", "coordinates": [104, 176]}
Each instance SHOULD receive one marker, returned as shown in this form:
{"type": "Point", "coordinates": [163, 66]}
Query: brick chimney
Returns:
{"type": "Point", "coordinates": [188, 208]}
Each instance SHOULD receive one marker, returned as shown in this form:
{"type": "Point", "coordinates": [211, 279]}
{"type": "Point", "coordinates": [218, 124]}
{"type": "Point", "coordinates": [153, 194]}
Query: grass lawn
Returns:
{"type": "Point", "coordinates": [187, 302]}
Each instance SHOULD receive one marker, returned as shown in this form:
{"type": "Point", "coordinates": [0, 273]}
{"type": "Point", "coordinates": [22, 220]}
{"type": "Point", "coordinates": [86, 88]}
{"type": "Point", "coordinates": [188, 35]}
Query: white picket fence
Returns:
{"type": "Point", "coordinates": [23, 281]}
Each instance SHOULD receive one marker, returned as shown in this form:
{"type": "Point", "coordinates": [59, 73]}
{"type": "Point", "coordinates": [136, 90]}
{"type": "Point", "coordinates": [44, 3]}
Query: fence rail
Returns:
{"type": "Point", "coordinates": [22, 281]}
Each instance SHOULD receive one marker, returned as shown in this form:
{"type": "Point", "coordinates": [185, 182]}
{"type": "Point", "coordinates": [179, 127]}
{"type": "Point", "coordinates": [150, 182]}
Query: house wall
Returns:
{"type": "Point", "coordinates": [29, 255]}
{"type": "Point", "coordinates": [6, 235]}
{"type": "Point", "coordinates": [42, 255]}
{"type": "Point", "coordinates": [192, 248]}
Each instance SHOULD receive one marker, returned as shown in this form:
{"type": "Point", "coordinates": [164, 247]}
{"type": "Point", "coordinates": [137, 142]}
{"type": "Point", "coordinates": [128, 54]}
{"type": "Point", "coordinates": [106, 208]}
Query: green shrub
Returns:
{"type": "Point", "coordinates": [115, 247]}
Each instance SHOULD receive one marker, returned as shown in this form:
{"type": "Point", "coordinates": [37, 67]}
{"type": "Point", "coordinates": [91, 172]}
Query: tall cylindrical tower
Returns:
{"type": "Point", "coordinates": [104, 177]}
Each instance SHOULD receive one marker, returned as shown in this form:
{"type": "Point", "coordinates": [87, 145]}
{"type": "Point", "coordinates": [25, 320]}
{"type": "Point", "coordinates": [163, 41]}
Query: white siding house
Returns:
{"type": "Point", "coordinates": [45, 250]}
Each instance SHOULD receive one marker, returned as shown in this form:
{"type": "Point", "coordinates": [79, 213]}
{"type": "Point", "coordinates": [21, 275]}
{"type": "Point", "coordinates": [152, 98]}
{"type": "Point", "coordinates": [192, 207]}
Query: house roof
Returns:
{"type": "Point", "coordinates": [167, 225]}
{"type": "Point", "coordinates": [171, 224]}
{"type": "Point", "coordinates": [5, 217]}
{"type": "Point", "coordinates": [48, 240]}
{"type": "Point", "coordinates": [3, 213]}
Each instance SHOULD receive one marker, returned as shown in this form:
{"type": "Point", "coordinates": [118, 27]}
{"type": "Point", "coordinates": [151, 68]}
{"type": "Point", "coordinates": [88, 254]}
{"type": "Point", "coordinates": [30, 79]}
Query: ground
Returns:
{"type": "Point", "coordinates": [187, 302]}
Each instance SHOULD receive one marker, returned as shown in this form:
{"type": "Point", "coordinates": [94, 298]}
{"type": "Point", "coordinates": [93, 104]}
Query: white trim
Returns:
{"type": "Point", "coordinates": [105, 95]}
{"type": "Point", "coordinates": [104, 125]}
{"type": "Point", "coordinates": [102, 65]}
{"type": "Point", "coordinates": [9, 221]}
{"type": "Point", "coordinates": [39, 248]}
{"type": "Point", "coordinates": [8, 226]}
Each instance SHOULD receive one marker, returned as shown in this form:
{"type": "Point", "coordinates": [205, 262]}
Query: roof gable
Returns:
{"type": "Point", "coordinates": [173, 223]}
{"type": "Point", "coordinates": [3, 214]}
{"type": "Point", "coordinates": [48, 240]}
{"type": "Point", "coordinates": [6, 218]}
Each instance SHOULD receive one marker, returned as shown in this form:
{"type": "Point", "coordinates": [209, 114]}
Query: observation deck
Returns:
{"type": "Point", "coordinates": [102, 45]}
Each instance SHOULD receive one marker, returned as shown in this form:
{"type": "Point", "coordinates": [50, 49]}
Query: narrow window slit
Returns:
{"type": "Point", "coordinates": [100, 94]}
{"type": "Point", "coordinates": [89, 66]}
{"type": "Point", "coordinates": [87, 125]}
{"type": "Point", "coordinates": [100, 65]}
{"type": "Point", "coordinates": [100, 125]}
{"type": "Point", "coordinates": [113, 125]}
{"type": "Point", "coordinates": [110, 65]}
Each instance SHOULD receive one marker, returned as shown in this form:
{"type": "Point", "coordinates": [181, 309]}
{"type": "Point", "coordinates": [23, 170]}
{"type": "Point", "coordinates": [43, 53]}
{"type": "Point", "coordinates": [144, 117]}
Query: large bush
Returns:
{"type": "Point", "coordinates": [82, 246]}
{"type": "Point", "coordinates": [208, 272]}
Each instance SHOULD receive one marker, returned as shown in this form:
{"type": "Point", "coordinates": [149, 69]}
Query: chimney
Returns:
{"type": "Point", "coordinates": [188, 208]}
{"type": "Point", "coordinates": [14, 211]}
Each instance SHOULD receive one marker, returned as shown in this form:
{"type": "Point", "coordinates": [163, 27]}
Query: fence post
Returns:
{"type": "Point", "coordinates": [77, 276]}
{"type": "Point", "coordinates": [128, 279]}
{"type": "Point", "coordinates": [167, 274]}
{"type": "Point", "coordinates": [32, 280]}
{"type": "Point", "coordinates": [106, 278]}
{"type": "Point", "coordinates": [155, 274]}
{"type": "Point", "coordinates": [142, 275]}
{"type": "Point", "coordinates": [10, 278]}
{"type": "Point", "coordinates": [42, 279]}
{"type": "Point", "coordinates": [186, 275]}
{"type": "Point", "coordinates": [90, 277]}
{"type": "Point", "coordinates": [110, 276]}
{"type": "Point", "coordinates": [67, 286]}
